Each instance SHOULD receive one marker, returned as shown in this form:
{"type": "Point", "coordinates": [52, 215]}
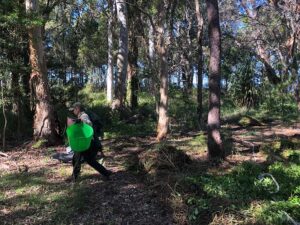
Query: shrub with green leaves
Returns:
{"type": "Point", "coordinates": [250, 196]}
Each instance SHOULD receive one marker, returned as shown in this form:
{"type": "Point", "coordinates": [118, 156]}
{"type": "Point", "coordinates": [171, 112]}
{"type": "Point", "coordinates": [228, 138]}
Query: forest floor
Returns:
{"type": "Point", "coordinates": [34, 190]}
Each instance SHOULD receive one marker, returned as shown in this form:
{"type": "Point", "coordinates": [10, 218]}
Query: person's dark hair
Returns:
{"type": "Point", "coordinates": [81, 108]}
{"type": "Point", "coordinates": [77, 105]}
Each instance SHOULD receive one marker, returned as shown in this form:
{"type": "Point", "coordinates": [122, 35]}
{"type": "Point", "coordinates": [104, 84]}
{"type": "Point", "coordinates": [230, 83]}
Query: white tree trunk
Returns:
{"type": "Point", "coordinates": [110, 64]}
{"type": "Point", "coordinates": [151, 43]}
{"type": "Point", "coordinates": [122, 59]}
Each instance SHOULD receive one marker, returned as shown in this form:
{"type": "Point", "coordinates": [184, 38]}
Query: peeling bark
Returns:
{"type": "Point", "coordinates": [44, 123]}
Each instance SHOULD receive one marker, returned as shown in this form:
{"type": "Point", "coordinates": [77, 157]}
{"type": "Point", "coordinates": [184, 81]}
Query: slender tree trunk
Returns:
{"type": "Point", "coordinates": [163, 119]}
{"type": "Point", "coordinates": [184, 80]}
{"type": "Point", "coordinates": [153, 78]}
{"type": "Point", "coordinates": [44, 125]}
{"type": "Point", "coordinates": [133, 27]}
{"type": "Point", "coordinates": [185, 43]}
{"type": "Point", "coordinates": [294, 70]}
{"type": "Point", "coordinates": [297, 94]}
{"type": "Point", "coordinates": [270, 71]}
{"type": "Point", "coordinates": [4, 116]}
{"type": "Point", "coordinates": [151, 44]}
{"type": "Point", "coordinates": [16, 100]}
{"type": "Point", "coordinates": [110, 64]}
{"type": "Point", "coordinates": [188, 67]}
{"type": "Point", "coordinates": [132, 73]}
{"type": "Point", "coordinates": [187, 75]}
{"type": "Point", "coordinates": [122, 59]}
{"type": "Point", "coordinates": [214, 143]}
{"type": "Point", "coordinates": [25, 81]}
{"type": "Point", "coordinates": [200, 61]}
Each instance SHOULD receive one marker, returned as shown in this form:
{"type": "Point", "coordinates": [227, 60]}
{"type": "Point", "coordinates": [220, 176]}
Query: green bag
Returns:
{"type": "Point", "coordinates": [80, 136]}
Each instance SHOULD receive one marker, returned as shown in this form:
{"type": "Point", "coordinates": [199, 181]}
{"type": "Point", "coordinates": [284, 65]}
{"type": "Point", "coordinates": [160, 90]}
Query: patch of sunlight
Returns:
{"type": "Point", "coordinates": [57, 196]}
{"type": "Point", "coordinates": [87, 170]}
{"type": "Point", "coordinates": [20, 180]}
{"type": "Point", "coordinates": [229, 112]}
{"type": "Point", "coordinates": [64, 171]}
{"type": "Point", "coordinates": [145, 98]}
{"type": "Point", "coordinates": [39, 144]}
{"type": "Point", "coordinates": [291, 154]}
{"type": "Point", "coordinates": [249, 133]}
{"type": "Point", "coordinates": [198, 141]}
{"type": "Point", "coordinates": [36, 200]}
{"type": "Point", "coordinates": [46, 159]}
{"type": "Point", "coordinates": [109, 135]}
{"type": "Point", "coordinates": [21, 190]}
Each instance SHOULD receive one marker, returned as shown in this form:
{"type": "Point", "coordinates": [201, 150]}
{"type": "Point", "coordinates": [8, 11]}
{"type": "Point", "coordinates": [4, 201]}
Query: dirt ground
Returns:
{"type": "Point", "coordinates": [34, 189]}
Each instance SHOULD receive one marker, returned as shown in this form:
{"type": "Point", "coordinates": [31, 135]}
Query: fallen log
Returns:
{"type": "Point", "coordinates": [3, 154]}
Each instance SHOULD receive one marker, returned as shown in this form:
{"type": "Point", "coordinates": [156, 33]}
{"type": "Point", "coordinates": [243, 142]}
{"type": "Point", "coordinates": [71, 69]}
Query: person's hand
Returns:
{"type": "Point", "coordinates": [70, 121]}
{"type": "Point", "coordinates": [78, 121]}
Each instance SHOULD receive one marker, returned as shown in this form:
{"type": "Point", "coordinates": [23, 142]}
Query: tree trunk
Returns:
{"type": "Point", "coordinates": [133, 27]}
{"type": "Point", "coordinates": [188, 67]}
{"type": "Point", "coordinates": [153, 77]}
{"type": "Point", "coordinates": [122, 59]}
{"type": "Point", "coordinates": [163, 119]}
{"type": "Point", "coordinates": [187, 74]}
{"type": "Point", "coordinates": [200, 62]}
{"type": "Point", "coordinates": [25, 81]}
{"type": "Point", "coordinates": [297, 94]}
{"type": "Point", "coordinates": [15, 87]}
{"type": "Point", "coordinates": [295, 75]}
{"type": "Point", "coordinates": [184, 79]}
{"type": "Point", "coordinates": [270, 71]}
{"type": "Point", "coordinates": [110, 64]}
{"type": "Point", "coordinates": [132, 73]}
{"type": "Point", "coordinates": [4, 116]}
{"type": "Point", "coordinates": [44, 123]}
{"type": "Point", "coordinates": [186, 52]}
{"type": "Point", "coordinates": [214, 143]}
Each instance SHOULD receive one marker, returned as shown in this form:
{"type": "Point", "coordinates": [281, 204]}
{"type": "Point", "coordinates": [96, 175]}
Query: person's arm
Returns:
{"type": "Point", "coordinates": [85, 118]}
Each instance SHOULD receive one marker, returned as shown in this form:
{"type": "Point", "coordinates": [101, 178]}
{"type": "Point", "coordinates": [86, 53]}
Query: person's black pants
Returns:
{"type": "Point", "coordinates": [88, 156]}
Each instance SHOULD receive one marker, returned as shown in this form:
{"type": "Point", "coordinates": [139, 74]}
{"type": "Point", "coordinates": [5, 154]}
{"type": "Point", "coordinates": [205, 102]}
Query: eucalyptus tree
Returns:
{"type": "Point", "coordinates": [136, 33]}
{"type": "Point", "coordinates": [44, 123]}
{"type": "Point", "coordinates": [162, 52]}
{"type": "Point", "coordinates": [110, 62]}
{"type": "Point", "coordinates": [272, 27]}
{"type": "Point", "coordinates": [289, 11]}
{"type": "Point", "coordinates": [185, 47]}
{"type": "Point", "coordinates": [122, 56]}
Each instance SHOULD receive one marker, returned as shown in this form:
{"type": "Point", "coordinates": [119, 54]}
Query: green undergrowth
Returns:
{"type": "Point", "coordinates": [245, 194]}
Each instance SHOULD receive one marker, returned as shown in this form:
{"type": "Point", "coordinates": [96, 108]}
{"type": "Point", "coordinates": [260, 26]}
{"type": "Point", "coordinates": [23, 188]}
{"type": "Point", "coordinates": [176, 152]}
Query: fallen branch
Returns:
{"type": "Point", "coordinates": [3, 154]}
{"type": "Point", "coordinates": [254, 147]}
{"type": "Point", "coordinates": [263, 175]}
{"type": "Point", "coordinates": [289, 218]}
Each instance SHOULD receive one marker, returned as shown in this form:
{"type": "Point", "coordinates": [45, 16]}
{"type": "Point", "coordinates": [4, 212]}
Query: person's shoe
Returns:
{"type": "Point", "coordinates": [107, 176]}
{"type": "Point", "coordinates": [70, 179]}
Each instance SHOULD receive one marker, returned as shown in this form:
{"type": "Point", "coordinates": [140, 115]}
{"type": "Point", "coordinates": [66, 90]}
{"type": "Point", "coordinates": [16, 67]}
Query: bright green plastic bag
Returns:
{"type": "Point", "coordinates": [80, 136]}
